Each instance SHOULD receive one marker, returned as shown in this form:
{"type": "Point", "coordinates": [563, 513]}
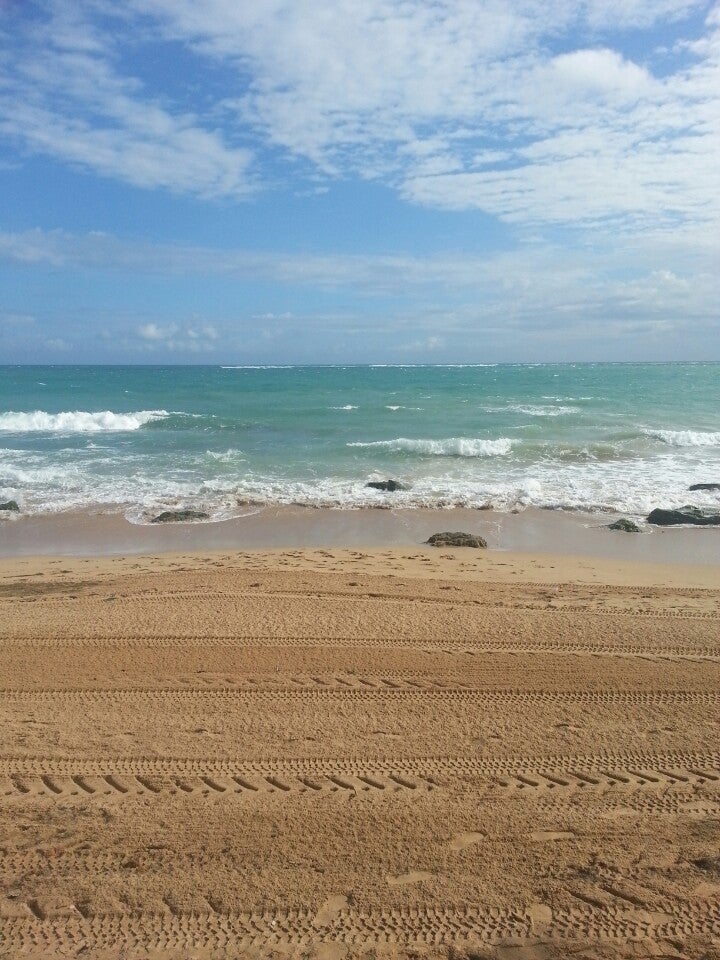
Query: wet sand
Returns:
{"type": "Point", "coordinates": [266, 528]}
{"type": "Point", "coordinates": [332, 753]}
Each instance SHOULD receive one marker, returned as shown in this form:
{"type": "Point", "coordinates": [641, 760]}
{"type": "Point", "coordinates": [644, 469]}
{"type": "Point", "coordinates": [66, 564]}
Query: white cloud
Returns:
{"type": "Point", "coordinates": [600, 73]}
{"type": "Point", "coordinates": [56, 344]}
{"type": "Point", "coordinates": [654, 279]}
{"type": "Point", "coordinates": [439, 98]}
{"type": "Point", "coordinates": [205, 332]}
{"type": "Point", "coordinates": [151, 331]}
{"type": "Point", "coordinates": [61, 95]}
{"type": "Point", "coordinates": [353, 85]}
{"type": "Point", "coordinates": [610, 143]}
{"type": "Point", "coordinates": [457, 104]}
{"type": "Point", "coordinates": [172, 337]}
{"type": "Point", "coordinates": [621, 14]}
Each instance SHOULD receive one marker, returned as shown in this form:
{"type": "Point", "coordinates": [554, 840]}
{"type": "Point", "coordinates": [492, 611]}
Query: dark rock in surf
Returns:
{"type": "Point", "coordinates": [389, 485]}
{"type": "Point", "coordinates": [456, 540]}
{"type": "Point", "coordinates": [682, 515]}
{"type": "Point", "coordinates": [627, 526]}
{"type": "Point", "coordinates": [11, 506]}
{"type": "Point", "coordinates": [180, 516]}
{"type": "Point", "coordinates": [705, 486]}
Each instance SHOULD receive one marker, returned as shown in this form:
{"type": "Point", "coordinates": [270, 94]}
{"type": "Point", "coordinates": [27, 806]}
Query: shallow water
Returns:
{"type": "Point", "coordinates": [591, 437]}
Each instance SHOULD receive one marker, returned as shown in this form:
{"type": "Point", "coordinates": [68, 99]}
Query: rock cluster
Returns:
{"type": "Point", "coordinates": [180, 516]}
{"type": "Point", "coordinates": [389, 485]}
{"type": "Point", "coordinates": [627, 526]}
{"type": "Point", "coordinates": [686, 514]}
{"type": "Point", "coordinates": [11, 506]}
{"type": "Point", "coordinates": [456, 540]}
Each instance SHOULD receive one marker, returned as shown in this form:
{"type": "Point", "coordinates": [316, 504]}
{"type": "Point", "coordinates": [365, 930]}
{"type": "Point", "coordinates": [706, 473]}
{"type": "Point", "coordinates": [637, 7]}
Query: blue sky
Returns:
{"type": "Point", "coordinates": [411, 181]}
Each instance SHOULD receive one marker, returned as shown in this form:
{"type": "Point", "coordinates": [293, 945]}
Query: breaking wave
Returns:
{"type": "Point", "coordinates": [685, 438]}
{"type": "Point", "coordinates": [450, 447]}
{"type": "Point", "coordinates": [77, 421]}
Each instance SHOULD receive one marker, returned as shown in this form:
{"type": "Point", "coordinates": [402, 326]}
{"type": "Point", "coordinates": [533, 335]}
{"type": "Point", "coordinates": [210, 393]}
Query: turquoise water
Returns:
{"type": "Point", "coordinates": [617, 437]}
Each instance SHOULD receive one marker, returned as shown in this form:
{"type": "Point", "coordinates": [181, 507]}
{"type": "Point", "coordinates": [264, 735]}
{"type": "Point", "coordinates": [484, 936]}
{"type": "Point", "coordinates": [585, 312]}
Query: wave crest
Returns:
{"type": "Point", "coordinates": [449, 447]}
{"type": "Point", "coordinates": [77, 421]}
{"type": "Point", "coordinates": [685, 438]}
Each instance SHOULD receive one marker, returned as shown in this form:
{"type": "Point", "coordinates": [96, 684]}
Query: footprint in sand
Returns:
{"type": "Point", "coordinates": [414, 876]}
{"type": "Point", "coordinates": [329, 910]}
{"type": "Point", "coordinates": [463, 840]}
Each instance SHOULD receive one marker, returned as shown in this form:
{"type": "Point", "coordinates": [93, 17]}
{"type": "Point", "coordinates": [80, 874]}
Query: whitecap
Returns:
{"type": "Point", "coordinates": [532, 409]}
{"type": "Point", "coordinates": [230, 455]}
{"type": "Point", "coordinates": [77, 421]}
{"type": "Point", "coordinates": [449, 447]}
{"type": "Point", "coordinates": [685, 438]}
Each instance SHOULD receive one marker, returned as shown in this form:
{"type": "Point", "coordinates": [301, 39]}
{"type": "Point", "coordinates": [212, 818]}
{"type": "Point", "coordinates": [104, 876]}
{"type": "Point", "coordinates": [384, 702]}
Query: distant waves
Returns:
{"type": "Point", "coordinates": [139, 440]}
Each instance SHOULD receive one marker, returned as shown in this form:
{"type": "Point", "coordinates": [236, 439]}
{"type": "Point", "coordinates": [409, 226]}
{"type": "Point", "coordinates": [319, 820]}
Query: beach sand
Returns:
{"type": "Point", "coordinates": [330, 753]}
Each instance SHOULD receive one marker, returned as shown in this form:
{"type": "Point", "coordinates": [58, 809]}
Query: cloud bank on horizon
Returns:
{"type": "Point", "coordinates": [397, 179]}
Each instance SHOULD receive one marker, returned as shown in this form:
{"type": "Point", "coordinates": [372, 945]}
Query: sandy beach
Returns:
{"type": "Point", "coordinates": [287, 289]}
{"type": "Point", "coordinates": [399, 752]}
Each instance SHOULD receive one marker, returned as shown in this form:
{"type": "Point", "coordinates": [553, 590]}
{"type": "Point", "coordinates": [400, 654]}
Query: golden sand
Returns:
{"type": "Point", "coordinates": [332, 754]}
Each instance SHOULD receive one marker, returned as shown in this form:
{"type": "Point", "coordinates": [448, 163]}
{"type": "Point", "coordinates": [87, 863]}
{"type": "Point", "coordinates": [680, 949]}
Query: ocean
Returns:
{"type": "Point", "coordinates": [616, 438]}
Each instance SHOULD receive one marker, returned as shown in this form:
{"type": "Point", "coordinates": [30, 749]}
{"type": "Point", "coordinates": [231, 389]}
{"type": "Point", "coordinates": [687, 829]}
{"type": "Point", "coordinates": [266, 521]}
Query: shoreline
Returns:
{"type": "Point", "coordinates": [532, 531]}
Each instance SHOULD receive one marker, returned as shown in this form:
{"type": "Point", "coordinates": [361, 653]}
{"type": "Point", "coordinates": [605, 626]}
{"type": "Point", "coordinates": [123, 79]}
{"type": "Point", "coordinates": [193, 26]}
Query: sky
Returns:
{"type": "Point", "coordinates": [334, 181]}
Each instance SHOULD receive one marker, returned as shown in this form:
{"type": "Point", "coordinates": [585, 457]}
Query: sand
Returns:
{"type": "Point", "coordinates": [341, 753]}
{"type": "Point", "coordinates": [92, 533]}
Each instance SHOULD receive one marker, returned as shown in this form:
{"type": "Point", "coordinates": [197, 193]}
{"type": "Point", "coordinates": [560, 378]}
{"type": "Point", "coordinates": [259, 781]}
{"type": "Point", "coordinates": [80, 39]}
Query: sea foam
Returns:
{"type": "Point", "coordinates": [77, 421]}
{"type": "Point", "coordinates": [450, 447]}
{"type": "Point", "coordinates": [685, 438]}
